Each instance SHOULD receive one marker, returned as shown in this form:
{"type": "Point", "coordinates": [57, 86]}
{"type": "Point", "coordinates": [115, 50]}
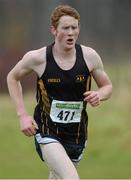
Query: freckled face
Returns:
{"type": "Point", "coordinates": [67, 32]}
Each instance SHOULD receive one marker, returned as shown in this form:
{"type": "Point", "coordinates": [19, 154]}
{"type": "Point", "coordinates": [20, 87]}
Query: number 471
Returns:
{"type": "Point", "coordinates": [66, 115]}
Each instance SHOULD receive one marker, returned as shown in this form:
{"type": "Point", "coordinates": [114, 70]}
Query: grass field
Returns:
{"type": "Point", "coordinates": [108, 154]}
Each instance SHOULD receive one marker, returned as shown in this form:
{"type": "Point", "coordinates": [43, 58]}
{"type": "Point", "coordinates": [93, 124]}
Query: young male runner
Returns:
{"type": "Point", "coordinates": [64, 70]}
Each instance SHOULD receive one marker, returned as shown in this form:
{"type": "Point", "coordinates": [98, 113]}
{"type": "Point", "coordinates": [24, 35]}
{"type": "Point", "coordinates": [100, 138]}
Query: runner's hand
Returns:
{"type": "Point", "coordinates": [92, 97]}
{"type": "Point", "coordinates": [28, 125]}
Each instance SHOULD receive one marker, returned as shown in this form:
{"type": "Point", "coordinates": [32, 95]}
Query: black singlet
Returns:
{"type": "Point", "coordinates": [58, 92]}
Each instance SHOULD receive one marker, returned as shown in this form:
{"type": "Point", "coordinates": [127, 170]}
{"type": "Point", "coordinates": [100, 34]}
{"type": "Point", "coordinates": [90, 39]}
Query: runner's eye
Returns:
{"type": "Point", "coordinates": [66, 28]}
{"type": "Point", "coordinates": [74, 27]}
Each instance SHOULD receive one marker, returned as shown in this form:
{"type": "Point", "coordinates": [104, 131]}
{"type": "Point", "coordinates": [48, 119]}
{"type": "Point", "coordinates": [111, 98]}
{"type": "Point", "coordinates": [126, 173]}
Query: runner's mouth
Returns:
{"type": "Point", "coordinates": [70, 40]}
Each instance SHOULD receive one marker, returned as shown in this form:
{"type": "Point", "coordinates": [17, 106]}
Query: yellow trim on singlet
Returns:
{"type": "Point", "coordinates": [77, 139]}
{"type": "Point", "coordinates": [88, 83]}
{"type": "Point", "coordinates": [88, 88]}
{"type": "Point", "coordinates": [45, 98]}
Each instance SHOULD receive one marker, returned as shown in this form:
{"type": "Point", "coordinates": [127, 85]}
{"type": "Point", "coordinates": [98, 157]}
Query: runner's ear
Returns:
{"type": "Point", "coordinates": [53, 30]}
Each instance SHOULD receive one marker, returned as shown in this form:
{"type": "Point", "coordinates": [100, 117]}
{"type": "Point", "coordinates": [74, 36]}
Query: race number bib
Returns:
{"type": "Point", "coordinates": [66, 111]}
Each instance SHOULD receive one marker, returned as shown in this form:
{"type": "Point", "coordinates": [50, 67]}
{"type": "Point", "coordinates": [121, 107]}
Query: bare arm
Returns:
{"type": "Point", "coordinates": [22, 68]}
{"type": "Point", "coordinates": [101, 78]}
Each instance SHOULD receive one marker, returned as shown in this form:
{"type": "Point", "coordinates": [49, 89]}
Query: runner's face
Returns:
{"type": "Point", "coordinates": [67, 32]}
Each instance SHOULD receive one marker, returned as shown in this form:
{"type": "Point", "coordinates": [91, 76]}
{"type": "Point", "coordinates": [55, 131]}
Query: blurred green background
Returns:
{"type": "Point", "coordinates": [108, 154]}
{"type": "Point", "coordinates": [105, 26]}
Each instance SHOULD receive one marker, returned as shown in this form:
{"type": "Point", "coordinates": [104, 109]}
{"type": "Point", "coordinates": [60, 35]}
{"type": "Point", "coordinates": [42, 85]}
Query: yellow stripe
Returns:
{"type": "Point", "coordinates": [57, 131]}
{"type": "Point", "coordinates": [45, 98]}
{"type": "Point", "coordinates": [46, 120]}
{"type": "Point", "coordinates": [43, 128]}
{"type": "Point", "coordinates": [88, 87]}
{"type": "Point", "coordinates": [77, 139]}
{"type": "Point", "coordinates": [88, 84]}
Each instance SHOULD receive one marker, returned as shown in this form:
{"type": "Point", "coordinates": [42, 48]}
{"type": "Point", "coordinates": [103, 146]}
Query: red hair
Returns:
{"type": "Point", "coordinates": [63, 10]}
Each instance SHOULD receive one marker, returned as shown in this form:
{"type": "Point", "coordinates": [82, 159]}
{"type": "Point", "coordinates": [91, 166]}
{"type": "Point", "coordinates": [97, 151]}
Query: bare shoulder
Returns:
{"type": "Point", "coordinates": [35, 60]}
{"type": "Point", "coordinates": [92, 58]}
{"type": "Point", "coordinates": [32, 61]}
{"type": "Point", "coordinates": [36, 57]}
